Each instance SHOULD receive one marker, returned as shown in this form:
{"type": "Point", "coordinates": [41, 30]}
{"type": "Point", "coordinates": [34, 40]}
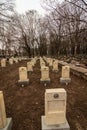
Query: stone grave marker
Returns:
{"type": "Point", "coordinates": [42, 64]}
{"type": "Point", "coordinates": [33, 63]}
{"type": "Point", "coordinates": [48, 60]}
{"type": "Point", "coordinates": [11, 61]}
{"type": "Point", "coordinates": [55, 66]}
{"type": "Point", "coordinates": [51, 62]}
{"type": "Point", "coordinates": [3, 63]}
{"type": "Point", "coordinates": [23, 77]}
{"type": "Point", "coordinates": [16, 60]}
{"type": "Point", "coordinates": [29, 67]}
{"type": "Point", "coordinates": [20, 59]}
{"type": "Point", "coordinates": [55, 110]}
{"type": "Point", "coordinates": [3, 120]}
{"type": "Point", "coordinates": [5, 123]}
{"type": "Point", "coordinates": [65, 75]}
{"type": "Point", "coordinates": [45, 74]}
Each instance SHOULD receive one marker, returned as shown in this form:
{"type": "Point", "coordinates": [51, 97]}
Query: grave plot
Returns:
{"type": "Point", "coordinates": [26, 105]}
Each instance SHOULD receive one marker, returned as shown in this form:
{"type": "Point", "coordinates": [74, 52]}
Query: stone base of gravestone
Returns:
{"type": "Point", "coordinates": [64, 126]}
{"type": "Point", "coordinates": [65, 80]}
{"type": "Point", "coordinates": [9, 125]}
{"type": "Point", "coordinates": [23, 83]}
{"type": "Point", "coordinates": [43, 81]}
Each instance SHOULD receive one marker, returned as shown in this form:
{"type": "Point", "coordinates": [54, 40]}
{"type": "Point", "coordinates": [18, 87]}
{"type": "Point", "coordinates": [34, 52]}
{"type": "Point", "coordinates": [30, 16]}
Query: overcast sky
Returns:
{"type": "Point", "coordinates": [24, 5]}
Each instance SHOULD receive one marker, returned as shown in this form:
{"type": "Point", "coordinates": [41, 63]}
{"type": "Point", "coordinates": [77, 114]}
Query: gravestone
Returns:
{"type": "Point", "coordinates": [55, 66]}
{"type": "Point", "coordinates": [5, 123]}
{"type": "Point", "coordinates": [11, 61]}
{"type": "Point", "coordinates": [20, 59]}
{"type": "Point", "coordinates": [51, 62]}
{"type": "Point", "coordinates": [33, 63]}
{"type": "Point", "coordinates": [48, 60]}
{"type": "Point", "coordinates": [45, 74]}
{"type": "Point", "coordinates": [23, 78]}
{"type": "Point", "coordinates": [65, 75]}
{"type": "Point", "coordinates": [55, 110]}
{"type": "Point", "coordinates": [3, 63]}
{"type": "Point", "coordinates": [3, 120]}
{"type": "Point", "coordinates": [29, 67]}
{"type": "Point", "coordinates": [16, 60]}
{"type": "Point", "coordinates": [42, 64]}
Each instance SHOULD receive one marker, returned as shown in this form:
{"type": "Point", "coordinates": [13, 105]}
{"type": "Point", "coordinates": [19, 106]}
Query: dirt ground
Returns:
{"type": "Point", "coordinates": [26, 105]}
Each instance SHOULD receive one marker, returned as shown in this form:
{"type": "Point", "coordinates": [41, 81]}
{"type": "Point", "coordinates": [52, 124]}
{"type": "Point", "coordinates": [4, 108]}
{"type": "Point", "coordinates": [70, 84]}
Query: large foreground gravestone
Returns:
{"type": "Point", "coordinates": [23, 77]}
{"type": "Point", "coordinates": [45, 74]}
{"type": "Point", "coordinates": [3, 63]}
{"type": "Point", "coordinates": [65, 75]}
{"type": "Point", "coordinates": [5, 123]}
{"type": "Point", "coordinates": [55, 110]}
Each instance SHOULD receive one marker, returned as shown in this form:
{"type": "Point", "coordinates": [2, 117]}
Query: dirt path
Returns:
{"type": "Point", "coordinates": [26, 105]}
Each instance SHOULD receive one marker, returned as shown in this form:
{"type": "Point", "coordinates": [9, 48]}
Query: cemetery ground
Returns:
{"type": "Point", "coordinates": [26, 104]}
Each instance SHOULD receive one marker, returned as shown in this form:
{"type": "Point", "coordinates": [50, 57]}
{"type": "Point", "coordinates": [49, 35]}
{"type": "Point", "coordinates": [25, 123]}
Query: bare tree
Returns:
{"type": "Point", "coordinates": [26, 28]}
{"type": "Point", "coordinates": [6, 10]}
{"type": "Point", "coordinates": [66, 20]}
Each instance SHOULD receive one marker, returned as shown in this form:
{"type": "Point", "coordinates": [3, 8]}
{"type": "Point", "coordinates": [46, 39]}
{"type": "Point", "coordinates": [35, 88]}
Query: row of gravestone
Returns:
{"type": "Point", "coordinates": [11, 61]}
{"type": "Point", "coordinates": [55, 111]}
{"type": "Point", "coordinates": [44, 69]}
{"type": "Point", "coordinates": [53, 63]}
{"type": "Point", "coordinates": [23, 76]}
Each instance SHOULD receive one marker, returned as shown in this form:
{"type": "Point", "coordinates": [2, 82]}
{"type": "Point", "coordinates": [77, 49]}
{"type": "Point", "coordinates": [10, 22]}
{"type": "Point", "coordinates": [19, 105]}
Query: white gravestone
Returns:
{"type": "Point", "coordinates": [3, 120]}
{"type": "Point", "coordinates": [45, 74]}
{"type": "Point", "coordinates": [23, 77]}
{"type": "Point", "coordinates": [48, 60]}
{"type": "Point", "coordinates": [65, 75]}
{"type": "Point", "coordinates": [55, 65]}
{"type": "Point", "coordinates": [51, 62]}
{"type": "Point", "coordinates": [55, 106]}
{"type": "Point", "coordinates": [20, 59]}
{"type": "Point", "coordinates": [33, 63]}
{"type": "Point", "coordinates": [5, 123]}
{"type": "Point", "coordinates": [11, 61]}
{"type": "Point", "coordinates": [42, 64]}
{"type": "Point", "coordinates": [29, 66]}
{"type": "Point", "coordinates": [3, 63]}
{"type": "Point", "coordinates": [16, 60]}
{"type": "Point", "coordinates": [55, 110]}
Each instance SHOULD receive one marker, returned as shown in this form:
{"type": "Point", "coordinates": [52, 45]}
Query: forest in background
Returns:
{"type": "Point", "coordinates": [62, 31]}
